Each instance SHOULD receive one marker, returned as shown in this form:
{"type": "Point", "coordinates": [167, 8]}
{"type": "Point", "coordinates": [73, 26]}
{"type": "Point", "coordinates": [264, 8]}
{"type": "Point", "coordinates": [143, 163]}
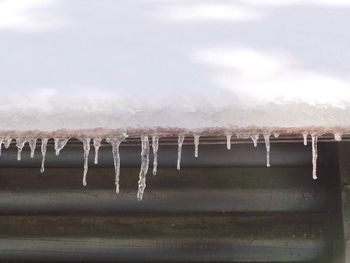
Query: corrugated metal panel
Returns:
{"type": "Point", "coordinates": [225, 206]}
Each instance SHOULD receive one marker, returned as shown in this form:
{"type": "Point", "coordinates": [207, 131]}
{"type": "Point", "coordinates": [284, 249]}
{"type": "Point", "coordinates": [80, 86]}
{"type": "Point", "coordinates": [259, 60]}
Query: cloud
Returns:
{"type": "Point", "coordinates": [29, 16]}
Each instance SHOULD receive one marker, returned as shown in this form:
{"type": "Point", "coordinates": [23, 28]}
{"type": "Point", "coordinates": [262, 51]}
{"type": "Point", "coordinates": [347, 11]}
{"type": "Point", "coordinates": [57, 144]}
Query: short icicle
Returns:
{"type": "Point", "coordinates": [20, 144]}
{"type": "Point", "coordinates": [228, 141]}
{"type": "Point", "coordinates": [267, 145]}
{"type": "Point", "coordinates": [97, 145]}
{"type": "Point", "coordinates": [255, 138]}
{"type": "Point", "coordinates": [180, 141]}
{"type": "Point", "coordinates": [86, 147]}
{"type": "Point", "coordinates": [314, 138]}
{"type": "Point", "coordinates": [115, 142]}
{"type": "Point", "coordinates": [59, 144]}
{"type": "Point", "coordinates": [1, 141]}
{"type": "Point", "coordinates": [43, 153]}
{"type": "Point", "coordinates": [338, 136]}
{"type": "Point", "coordinates": [7, 141]}
{"type": "Point", "coordinates": [32, 146]}
{"type": "Point", "coordinates": [155, 146]}
{"type": "Point", "coordinates": [196, 144]}
{"type": "Point", "coordinates": [305, 134]}
{"type": "Point", "coordinates": [144, 166]}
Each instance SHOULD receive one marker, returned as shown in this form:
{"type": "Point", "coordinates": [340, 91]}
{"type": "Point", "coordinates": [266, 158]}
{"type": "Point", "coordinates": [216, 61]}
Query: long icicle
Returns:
{"type": "Point", "coordinates": [97, 145]}
{"type": "Point", "coordinates": [155, 146]}
{"type": "Point", "coordinates": [305, 134]}
{"type": "Point", "coordinates": [314, 138]}
{"type": "Point", "coordinates": [267, 145]}
{"type": "Point", "coordinates": [1, 141]}
{"type": "Point", "coordinates": [180, 141]}
{"type": "Point", "coordinates": [228, 141]}
{"type": "Point", "coordinates": [86, 147]}
{"type": "Point", "coordinates": [115, 142]}
{"type": "Point", "coordinates": [32, 146]}
{"type": "Point", "coordinates": [255, 138]}
{"type": "Point", "coordinates": [144, 166]}
{"type": "Point", "coordinates": [20, 144]}
{"type": "Point", "coordinates": [59, 144]}
{"type": "Point", "coordinates": [43, 153]}
{"type": "Point", "coordinates": [196, 144]}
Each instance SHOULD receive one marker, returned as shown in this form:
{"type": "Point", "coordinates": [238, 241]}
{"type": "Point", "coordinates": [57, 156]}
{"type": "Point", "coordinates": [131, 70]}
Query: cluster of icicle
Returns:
{"type": "Point", "coordinates": [145, 150]}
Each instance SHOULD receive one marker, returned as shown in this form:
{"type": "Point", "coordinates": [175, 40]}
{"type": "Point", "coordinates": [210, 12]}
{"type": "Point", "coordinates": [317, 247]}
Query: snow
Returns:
{"type": "Point", "coordinates": [195, 64]}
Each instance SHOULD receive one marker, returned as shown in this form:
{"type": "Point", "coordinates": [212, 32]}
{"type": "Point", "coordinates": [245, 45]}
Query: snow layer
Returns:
{"type": "Point", "coordinates": [194, 64]}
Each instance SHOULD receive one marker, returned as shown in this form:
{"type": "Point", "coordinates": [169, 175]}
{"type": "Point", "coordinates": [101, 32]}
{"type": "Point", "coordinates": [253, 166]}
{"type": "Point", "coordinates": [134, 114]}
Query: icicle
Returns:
{"type": "Point", "coordinates": [7, 142]}
{"type": "Point", "coordinates": [20, 144]}
{"type": "Point", "coordinates": [144, 166]}
{"type": "Point", "coordinates": [59, 144]}
{"type": "Point", "coordinates": [196, 144]}
{"type": "Point", "coordinates": [115, 142]}
{"type": "Point", "coordinates": [228, 141]}
{"type": "Point", "coordinates": [86, 146]}
{"type": "Point", "coordinates": [155, 145]}
{"type": "Point", "coordinates": [267, 145]}
{"type": "Point", "coordinates": [314, 138]}
{"type": "Point", "coordinates": [338, 136]}
{"type": "Point", "coordinates": [43, 153]}
{"type": "Point", "coordinates": [1, 140]}
{"type": "Point", "coordinates": [97, 145]}
{"type": "Point", "coordinates": [180, 141]}
{"type": "Point", "coordinates": [255, 138]}
{"type": "Point", "coordinates": [32, 146]}
{"type": "Point", "coordinates": [305, 134]}
{"type": "Point", "coordinates": [276, 135]}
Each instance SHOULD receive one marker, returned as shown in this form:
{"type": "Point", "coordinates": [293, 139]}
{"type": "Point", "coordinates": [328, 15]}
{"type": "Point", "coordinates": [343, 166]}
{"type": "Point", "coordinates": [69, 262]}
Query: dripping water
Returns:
{"type": "Point", "coordinates": [59, 144]}
{"type": "Point", "coordinates": [32, 146]}
{"type": "Point", "coordinates": [314, 138]}
{"type": "Point", "coordinates": [255, 138]}
{"type": "Point", "coordinates": [97, 145]}
{"type": "Point", "coordinates": [228, 141]}
{"type": "Point", "coordinates": [115, 142]}
{"type": "Point", "coordinates": [86, 147]}
{"type": "Point", "coordinates": [267, 145]}
{"type": "Point", "coordinates": [180, 141]}
{"type": "Point", "coordinates": [20, 144]}
{"type": "Point", "coordinates": [196, 144]}
{"type": "Point", "coordinates": [338, 137]}
{"type": "Point", "coordinates": [144, 166]}
{"type": "Point", "coordinates": [43, 153]}
{"type": "Point", "coordinates": [305, 134]}
{"type": "Point", "coordinates": [155, 145]}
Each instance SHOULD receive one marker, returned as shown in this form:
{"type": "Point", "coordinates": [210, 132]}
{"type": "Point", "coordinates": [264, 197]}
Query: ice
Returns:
{"type": "Point", "coordinates": [59, 144]}
{"type": "Point", "coordinates": [196, 144]}
{"type": "Point", "coordinates": [144, 166]}
{"type": "Point", "coordinates": [32, 146]}
{"type": "Point", "coordinates": [228, 141]}
{"type": "Point", "coordinates": [338, 136]}
{"type": "Point", "coordinates": [20, 144]}
{"type": "Point", "coordinates": [180, 141]}
{"type": "Point", "coordinates": [115, 142]}
{"type": "Point", "coordinates": [314, 138]}
{"type": "Point", "coordinates": [43, 153]}
{"type": "Point", "coordinates": [267, 145]}
{"type": "Point", "coordinates": [1, 140]}
{"type": "Point", "coordinates": [7, 141]}
{"type": "Point", "coordinates": [276, 135]}
{"type": "Point", "coordinates": [255, 138]}
{"type": "Point", "coordinates": [86, 147]}
{"type": "Point", "coordinates": [97, 145]}
{"type": "Point", "coordinates": [155, 145]}
{"type": "Point", "coordinates": [305, 134]}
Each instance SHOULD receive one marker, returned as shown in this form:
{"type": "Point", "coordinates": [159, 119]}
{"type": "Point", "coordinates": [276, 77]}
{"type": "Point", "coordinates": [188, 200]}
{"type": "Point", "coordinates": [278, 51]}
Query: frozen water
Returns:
{"type": "Point", "coordinates": [228, 141]}
{"type": "Point", "coordinates": [305, 134]}
{"type": "Point", "coordinates": [255, 138]}
{"type": "Point", "coordinates": [180, 141]}
{"type": "Point", "coordinates": [314, 138]}
{"type": "Point", "coordinates": [7, 141]}
{"type": "Point", "coordinates": [338, 136]}
{"type": "Point", "coordinates": [155, 145]}
{"type": "Point", "coordinates": [196, 144]}
{"type": "Point", "coordinates": [144, 166]}
{"type": "Point", "coordinates": [86, 147]}
{"type": "Point", "coordinates": [59, 144]}
{"type": "Point", "coordinates": [267, 145]}
{"type": "Point", "coordinates": [20, 144]}
{"type": "Point", "coordinates": [43, 153]}
{"type": "Point", "coordinates": [97, 145]}
{"type": "Point", "coordinates": [115, 142]}
{"type": "Point", "coordinates": [32, 146]}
